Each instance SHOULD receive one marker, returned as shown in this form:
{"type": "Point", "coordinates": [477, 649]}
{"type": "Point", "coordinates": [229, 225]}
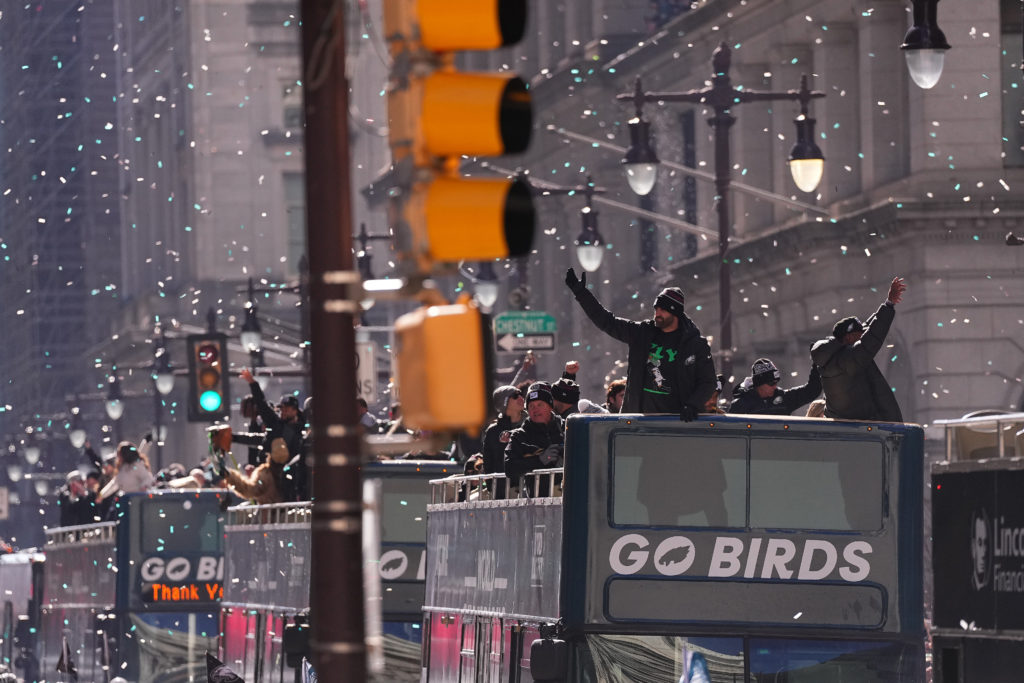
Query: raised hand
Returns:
{"type": "Point", "coordinates": [575, 284]}
{"type": "Point", "coordinates": [896, 290]}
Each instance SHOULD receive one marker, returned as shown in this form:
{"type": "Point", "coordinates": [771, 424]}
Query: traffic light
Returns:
{"type": "Point", "coordinates": [438, 115]}
{"type": "Point", "coordinates": [444, 361]}
{"type": "Point", "coordinates": [208, 398]}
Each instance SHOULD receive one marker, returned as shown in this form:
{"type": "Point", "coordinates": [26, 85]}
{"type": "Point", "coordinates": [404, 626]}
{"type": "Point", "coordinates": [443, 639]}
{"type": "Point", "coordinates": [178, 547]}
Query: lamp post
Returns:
{"type": "Point", "coordinates": [163, 384]}
{"type": "Point", "coordinates": [641, 162]}
{"type": "Point", "coordinates": [925, 44]}
{"type": "Point", "coordinates": [114, 403]}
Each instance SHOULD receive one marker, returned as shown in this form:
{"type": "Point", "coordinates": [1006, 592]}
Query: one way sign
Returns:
{"type": "Point", "coordinates": [526, 342]}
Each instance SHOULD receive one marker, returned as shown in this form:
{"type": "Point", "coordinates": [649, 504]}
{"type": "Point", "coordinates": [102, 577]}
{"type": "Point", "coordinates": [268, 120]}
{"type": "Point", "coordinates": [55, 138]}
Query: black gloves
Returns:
{"type": "Point", "coordinates": [575, 284]}
{"type": "Point", "coordinates": [688, 413]}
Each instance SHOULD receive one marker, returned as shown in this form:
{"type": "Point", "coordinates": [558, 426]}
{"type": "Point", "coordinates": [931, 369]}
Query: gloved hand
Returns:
{"type": "Point", "coordinates": [688, 413]}
{"type": "Point", "coordinates": [551, 456]}
{"type": "Point", "coordinates": [575, 284]}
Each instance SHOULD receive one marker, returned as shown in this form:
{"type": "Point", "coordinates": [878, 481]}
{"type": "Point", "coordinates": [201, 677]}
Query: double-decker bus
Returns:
{"type": "Point", "coordinates": [731, 548]}
{"type": "Point", "coordinates": [978, 549]}
{"type": "Point", "coordinates": [136, 598]}
{"type": "Point", "coordinates": [267, 602]}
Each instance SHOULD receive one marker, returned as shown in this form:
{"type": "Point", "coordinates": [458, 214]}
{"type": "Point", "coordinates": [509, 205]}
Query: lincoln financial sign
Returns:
{"type": "Point", "coordinates": [978, 553]}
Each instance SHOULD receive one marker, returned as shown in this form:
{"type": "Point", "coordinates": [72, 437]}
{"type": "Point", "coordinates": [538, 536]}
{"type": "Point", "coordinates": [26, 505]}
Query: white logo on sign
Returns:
{"type": "Point", "coordinates": [981, 564]}
{"type": "Point", "coordinates": [393, 564]}
{"type": "Point", "coordinates": [674, 556]}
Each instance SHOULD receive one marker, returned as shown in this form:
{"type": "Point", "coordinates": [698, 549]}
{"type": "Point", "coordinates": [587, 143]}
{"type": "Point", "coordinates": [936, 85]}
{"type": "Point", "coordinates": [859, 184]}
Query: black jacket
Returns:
{"type": "Point", "coordinates": [494, 447]}
{"type": "Point", "coordinates": [855, 388]}
{"type": "Point", "coordinates": [529, 441]}
{"type": "Point", "coordinates": [700, 380]}
{"type": "Point", "coordinates": [295, 479]}
{"type": "Point", "coordinates": [782, 402]}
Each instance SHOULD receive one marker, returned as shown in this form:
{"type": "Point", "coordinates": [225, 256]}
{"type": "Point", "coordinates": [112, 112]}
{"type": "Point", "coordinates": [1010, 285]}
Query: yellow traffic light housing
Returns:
{"type": "Point", "coordinates": [444, 364]}
{"type": "Point", "coordinates": [437, 116]}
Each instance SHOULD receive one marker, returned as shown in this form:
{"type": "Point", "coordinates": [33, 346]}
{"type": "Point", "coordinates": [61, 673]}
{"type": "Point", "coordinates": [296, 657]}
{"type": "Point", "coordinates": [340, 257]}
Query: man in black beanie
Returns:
{"type": "Point", "coordinates": [855, 388]}
{"type": "Point", "coordinates": [539, 441]}
{"type": "Point", "coordinates": [669, 367]}
{"type": "Point", "coordinates": [759, 394]}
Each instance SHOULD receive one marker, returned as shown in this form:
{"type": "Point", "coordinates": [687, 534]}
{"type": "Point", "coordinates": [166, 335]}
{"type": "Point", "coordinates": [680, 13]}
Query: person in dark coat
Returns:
{"type": "Point", "coordinates": [759, 394]}
{"type": "Point", "coordinates": [855, 388]}
{"type": "Point", "coordinates": [511, 406]}
{"type": "Point", "coordinates": [539, 442]}
{"type": "Point", "coordinates": [287, 423]}
{"type": "Point", "coordinates": [669, 367]}
{"type": "Point", "coordinates": [76, 502]}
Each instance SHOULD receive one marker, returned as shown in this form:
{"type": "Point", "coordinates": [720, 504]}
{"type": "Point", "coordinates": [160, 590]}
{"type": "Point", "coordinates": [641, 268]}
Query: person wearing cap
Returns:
{"type": "Point", "coordinates": [75, 502]}
{"type": "Point", "coordinates": [669, 367]}
{"type": "Point", "coordinates": [855, 389]}
{"type": "Point", "coordinates": [759, 393]}
{"type": "Point", "coordinates": [539, 441]}
{"type": "Point", "coordinates": [510, 403]}
{"type": "Point", "coordinates": [286, 423]}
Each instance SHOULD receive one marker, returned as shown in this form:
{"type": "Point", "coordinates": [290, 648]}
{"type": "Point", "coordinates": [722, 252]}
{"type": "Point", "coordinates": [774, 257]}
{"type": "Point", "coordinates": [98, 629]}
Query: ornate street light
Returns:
{"type": "Point", "coordinates": [251, 335]}
{"type": "Point", "coordinates": [114, 402]}
{"type": "Point", "coordinates": [485, 285]}
{"type": "Point", "coordinates": [30, 447]}
{"type": "Point", "coordinates": [806, 162]}
{"type": "Point", "coordinates": [590, 246]}
{"type": "Point", "coordinates": [721, 96]}
{"type": "Point", "coordinates": [925, 45]}
{"type": "Point", "coordinates": [163, 371]}
{"type": "Point", "coordinates": [77, 434]}
{"type": "Point", "coordinates": [640, 162]}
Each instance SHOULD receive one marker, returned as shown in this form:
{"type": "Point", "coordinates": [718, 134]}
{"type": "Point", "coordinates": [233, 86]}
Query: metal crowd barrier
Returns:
{"type": "Point", "coordinates": [273, 513]}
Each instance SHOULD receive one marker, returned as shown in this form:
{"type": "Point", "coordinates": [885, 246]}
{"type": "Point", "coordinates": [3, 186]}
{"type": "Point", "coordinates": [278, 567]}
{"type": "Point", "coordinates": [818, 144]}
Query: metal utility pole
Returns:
{"type": "Point", "coordinates": [337, 638]}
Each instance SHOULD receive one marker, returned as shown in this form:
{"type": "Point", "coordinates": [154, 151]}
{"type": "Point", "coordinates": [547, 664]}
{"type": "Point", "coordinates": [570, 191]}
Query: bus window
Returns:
{"type": "Point", "coordinates": [807, 661]}
{"type": "Point", "coordinates": [175, 525]}
{"type": "Point", "coordinates": [656, 483]}
{"type": "Point", "coordinates": [661, 659]}
{"type": "Point", "coordinates": [816, 484]}
{"type": "Point", "coordinates": [403, 517]}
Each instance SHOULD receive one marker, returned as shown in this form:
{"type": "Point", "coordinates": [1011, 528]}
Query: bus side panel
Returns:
{"type": "Point", "coordinates": [910, 511]}
{"type": "Point", "coordinates": [444, 646]}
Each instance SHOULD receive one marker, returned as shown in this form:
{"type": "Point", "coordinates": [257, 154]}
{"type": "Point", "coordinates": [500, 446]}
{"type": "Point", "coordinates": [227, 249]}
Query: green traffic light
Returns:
{"type": "Point", "coordinates": [210, 401]}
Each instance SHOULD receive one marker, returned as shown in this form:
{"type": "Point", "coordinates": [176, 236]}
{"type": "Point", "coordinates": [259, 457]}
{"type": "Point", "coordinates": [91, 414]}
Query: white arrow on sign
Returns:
{"type": "Point", "coordinates": [536, 342]}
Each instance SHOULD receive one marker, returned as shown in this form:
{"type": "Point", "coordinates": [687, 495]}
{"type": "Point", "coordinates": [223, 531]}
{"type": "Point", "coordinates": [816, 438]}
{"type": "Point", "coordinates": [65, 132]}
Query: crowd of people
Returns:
{"type": "Point", "coordinates": [275, 470]}
{"type": "Point", "coordinates": [669, 369]}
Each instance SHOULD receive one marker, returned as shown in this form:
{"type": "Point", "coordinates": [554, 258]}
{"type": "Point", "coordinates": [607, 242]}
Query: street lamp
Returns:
{"type": "Point", "coordinates": [251, 335]}
{"type": "Point", "coordinates": [590, 246]}
{"type": "Point", "coordinates": [77, 434]}
{"type": "Point", "coordinates": [114, 403]}
{"type": "Point", "coordinates": [30, 447]}
{"type": "Point", "coordinates": [640, 162]}
{"type": "Point", "coordinates": [721, 96]}
{"type": "Point", "coordinates": [925, 45]}
{"type": "Point", "coordinates": [486, 285]}
{"type": "Point", "coordinates": [163, 384]}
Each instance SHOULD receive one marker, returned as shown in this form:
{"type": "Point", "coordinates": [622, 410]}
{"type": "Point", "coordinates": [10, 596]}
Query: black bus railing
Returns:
{"type": "Point", "coordinates": [103, 532]}
{"type": "Point", "coordinates": [274, 513]}
{"type": "Point", "coordinates": [470, 488]}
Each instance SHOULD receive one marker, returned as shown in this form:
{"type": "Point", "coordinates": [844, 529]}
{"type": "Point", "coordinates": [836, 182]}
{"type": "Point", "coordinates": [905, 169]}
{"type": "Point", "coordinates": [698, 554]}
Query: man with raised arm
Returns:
{"type": "Point", "coordinates": [669, 367]}
{"type": "Point", "coordinates": [855, 388]}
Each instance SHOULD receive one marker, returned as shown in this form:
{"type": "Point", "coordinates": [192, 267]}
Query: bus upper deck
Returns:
{"type": "Point", "coordinates": [760, 544]}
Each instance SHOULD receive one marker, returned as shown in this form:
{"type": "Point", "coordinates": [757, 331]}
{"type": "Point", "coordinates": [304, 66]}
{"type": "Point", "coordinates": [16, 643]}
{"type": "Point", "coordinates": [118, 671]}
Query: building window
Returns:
{"type": "Point", "coordinates": [291, 100]}
{"type": "Point", "coordinates": [295, 205]}
{"type": "Point", "coordinates": [1013, 89]}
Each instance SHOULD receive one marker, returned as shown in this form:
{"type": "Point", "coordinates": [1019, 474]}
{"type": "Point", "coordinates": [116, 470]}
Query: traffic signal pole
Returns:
{"type": "Point", "coordinates": [336, 591]}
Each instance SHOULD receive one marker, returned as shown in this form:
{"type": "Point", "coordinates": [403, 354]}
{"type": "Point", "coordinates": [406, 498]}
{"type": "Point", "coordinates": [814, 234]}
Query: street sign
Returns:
{"type": "Point", "coordinates": [525, 331]}
{"type": "Point", "coordinates": [526, 342]}
{"type": "Point", "coordinates": [366, 371]}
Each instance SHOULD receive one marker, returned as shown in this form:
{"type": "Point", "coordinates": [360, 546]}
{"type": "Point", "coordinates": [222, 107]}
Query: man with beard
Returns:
{"type": "Point", "coordinates": [669, 367]}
